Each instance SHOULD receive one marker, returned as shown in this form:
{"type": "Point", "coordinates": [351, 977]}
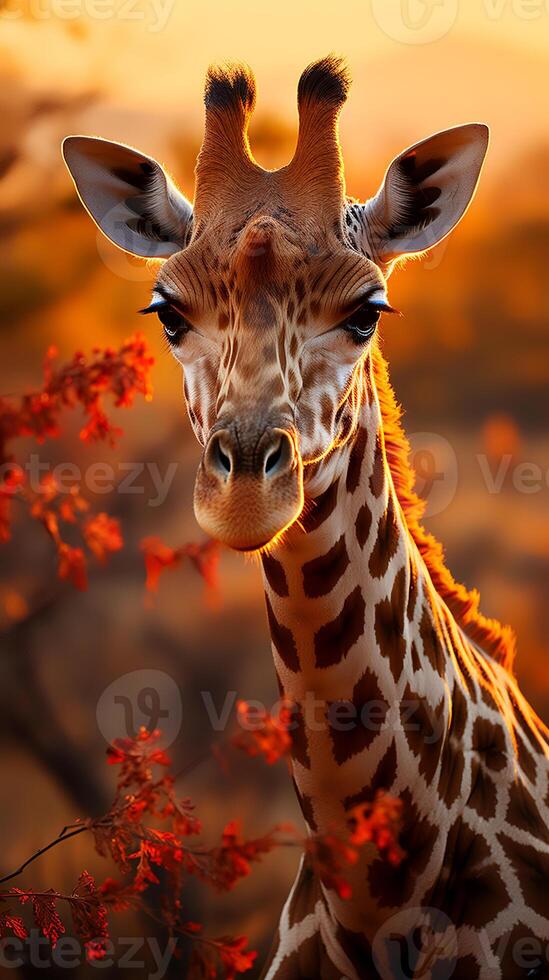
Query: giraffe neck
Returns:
{"type": "Point", "coordinates": [343, 598]}
{"type": "Point", "coordinates": [392, 695]}
{"type": "Point", "coordinates": [356, 642]}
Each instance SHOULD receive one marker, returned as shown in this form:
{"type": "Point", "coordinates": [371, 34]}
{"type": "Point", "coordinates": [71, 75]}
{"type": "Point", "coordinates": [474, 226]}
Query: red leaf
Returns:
{"type": "Point", "coordinates": [72, 566]}
{"type": "Point", "coordinates": [12, 924]}
{"type": "Point", "coordinates": [89, 915]}
{"type": "Point", "coordinates": [102, 535]}
{"type": "Point", "coordinates": [330, 858]}
{"type": "Point", "coordinates": [234, 956]}
{"type": "Point", "coordinates": [46, 916]}
{"type": "Point", "coordinates": [159, 557]}
{"type": "Point", "coordinates": [379, 822]}
{"type": "Point", "coordinates": [117, 895]}
{"type": "Point", "coordinates": [231, 860]}
{"type": "Point", "coordinates": [262, 734]}
{"type": "Point", "coordinates": [230, 952]}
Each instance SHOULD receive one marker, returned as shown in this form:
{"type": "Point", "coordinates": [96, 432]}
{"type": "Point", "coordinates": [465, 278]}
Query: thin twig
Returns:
{"type": "Point", "coordinates": [53, 843]}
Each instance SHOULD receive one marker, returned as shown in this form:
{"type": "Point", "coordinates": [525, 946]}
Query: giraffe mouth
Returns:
{"type": "Point", "coordinates": [249, 487]}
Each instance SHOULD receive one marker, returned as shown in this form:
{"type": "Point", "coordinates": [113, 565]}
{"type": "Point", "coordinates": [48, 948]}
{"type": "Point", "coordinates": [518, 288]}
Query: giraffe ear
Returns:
{"type": "Point", "coordinates": [129, 196]}
{"type": "Point", "coordinates": [425, 192]}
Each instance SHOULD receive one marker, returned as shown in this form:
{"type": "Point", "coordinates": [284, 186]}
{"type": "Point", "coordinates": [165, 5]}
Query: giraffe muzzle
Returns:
{"type": "Point", "coordinates": [249, 486]}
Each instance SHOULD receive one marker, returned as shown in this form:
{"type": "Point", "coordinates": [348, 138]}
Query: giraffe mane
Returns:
{"type": "Point", "coordinates": [494, 638]}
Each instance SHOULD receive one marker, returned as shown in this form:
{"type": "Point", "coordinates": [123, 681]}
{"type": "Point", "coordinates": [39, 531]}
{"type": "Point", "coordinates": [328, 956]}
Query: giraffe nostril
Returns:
{"type": "Point", "coordinates": [219, 458]}
{"type": "Point", "coordinates": [273, 458]}
{"type": "Point", "coordinates": [223, 459]}
{"type": "Point", "coordinates": [278, 454]}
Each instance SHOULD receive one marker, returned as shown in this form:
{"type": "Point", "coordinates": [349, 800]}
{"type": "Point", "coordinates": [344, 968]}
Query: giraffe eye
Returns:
{"type": "Point", "coordinates": [363, 322]}
{"type": "Point", "coordinates": [173, 322]}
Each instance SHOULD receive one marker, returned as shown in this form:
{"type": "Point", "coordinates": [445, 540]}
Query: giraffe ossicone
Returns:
{"type": "Point", "coordinates": [270, 294]}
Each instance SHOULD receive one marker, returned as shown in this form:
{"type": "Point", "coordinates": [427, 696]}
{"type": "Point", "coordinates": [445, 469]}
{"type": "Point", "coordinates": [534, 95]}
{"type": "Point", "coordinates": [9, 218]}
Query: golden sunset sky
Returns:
{"type": "Point", "coordinates": [418, 65]}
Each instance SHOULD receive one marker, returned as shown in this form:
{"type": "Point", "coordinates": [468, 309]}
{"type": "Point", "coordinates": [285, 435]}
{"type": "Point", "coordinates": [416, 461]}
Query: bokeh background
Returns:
{"type": "Point", "coordinates": [470, 362]}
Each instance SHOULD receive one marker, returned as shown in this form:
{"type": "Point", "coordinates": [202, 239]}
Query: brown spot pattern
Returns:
{"type": "Point", "coordinates": [466, 967]}
{"type": "Point", "coordinates": [483, 796]}
{"type": "Point", "coordinates": [321, 508]}
{"type": "Point", "coordinates": [389, 626]}
{"type": "Point", "coordinates": [416, 662]}
{"type": "Point", "coordinates": [475, 892]}
{"type": "Point", "coordinates": [522, 952]}
{"type": "Point", "coordinates": [489, 741]}
{"type": "Point", "coordinates": [356, 457]}
{"type": "Point", "coordinates": [355, 728]}
{"type": "Point", "coordinates": [275, 575]}
{"type": "Point", "coordinates": [383, 778]}
{"type": "Point", "coordinates": [283, 640]}
{"type": "Point", "coordinates": [300, 749]}
{"type": "Point", "coordinates": [386, 543]}
{"type": "Point", "coordinates": [304, 896]}
{"type": "Point", "coordinates": [334, 640]}
{"type": "Point", "coordinates": [522, 812]}
{"type": "Point", "coordinates": [451, 773]}
{"type": "Point", "coordinates": [377, 478]}
{"type": "Point", "coordinates": [358, 950]}
{"type": "Point", "coordinates": [322, 574]}
{"type": "Point", "coordinates": [421, 726]}
{"type": "Point", "coordinates": [459, 713]}
{"type": "Point", "coordinates": [363, 524]}
{"type": "Point", "coordinates": [432, 642]}
{"type": "Point", "coordinates": [527, 761]}
{"type": "Point", "coordinates": [532, 870]}
{"type": "Point", "coordinates": [394, 886]}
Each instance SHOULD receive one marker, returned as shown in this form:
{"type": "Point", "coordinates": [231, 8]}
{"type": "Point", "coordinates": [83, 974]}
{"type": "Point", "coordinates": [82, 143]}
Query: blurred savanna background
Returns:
{"type": "Point", "coordinates": [469, 360]}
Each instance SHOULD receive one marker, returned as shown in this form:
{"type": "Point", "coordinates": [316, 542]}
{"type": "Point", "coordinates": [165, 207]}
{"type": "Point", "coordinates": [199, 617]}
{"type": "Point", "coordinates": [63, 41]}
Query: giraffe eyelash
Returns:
{"type": "Point", "coordinates": [174, 323]}
{"type": "Point", "coordinates": [362, 323]}
{"type": "Point", "coordinates": [156, 304]}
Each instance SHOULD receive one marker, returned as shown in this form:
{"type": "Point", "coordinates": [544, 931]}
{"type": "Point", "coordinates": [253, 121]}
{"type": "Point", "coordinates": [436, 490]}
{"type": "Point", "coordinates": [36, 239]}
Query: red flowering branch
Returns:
{"type": "Point", "coordinates": [159, 557]}
{"type": "Point", "coordinates": [261, 734]}
{"type": "Point", "coordinates": [89, 915]}
{"type": "Point", "coordinates": [149, 830]}
{"type": "Point", "coordinates": [82, 382]}
{"type": "Point", "coordinates": [150, 834]}
{"type": "Point", "coordinates": [331, 854]}
{"type": "Point", "coordinates": [121, 374]}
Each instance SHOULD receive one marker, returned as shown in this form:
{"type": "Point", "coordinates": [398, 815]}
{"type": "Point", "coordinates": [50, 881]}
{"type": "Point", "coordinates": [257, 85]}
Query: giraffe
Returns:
{"type": "Point", "coordinates": [270, 289]}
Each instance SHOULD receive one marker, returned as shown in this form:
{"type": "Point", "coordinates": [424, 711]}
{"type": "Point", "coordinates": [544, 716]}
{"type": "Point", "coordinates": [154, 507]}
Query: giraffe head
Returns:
{"type": "Point", "coordinates": [272, 284]}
